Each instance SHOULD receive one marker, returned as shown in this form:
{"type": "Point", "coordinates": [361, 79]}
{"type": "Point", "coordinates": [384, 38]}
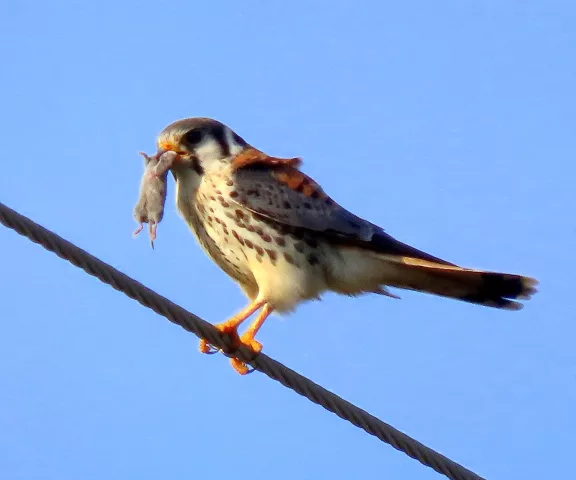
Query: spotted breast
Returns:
{"type": "Point", "coordinates": [263, 256]}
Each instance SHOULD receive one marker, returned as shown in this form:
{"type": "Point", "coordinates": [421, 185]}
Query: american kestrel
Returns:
{"type": "Point", "coordinates": [273, 229]}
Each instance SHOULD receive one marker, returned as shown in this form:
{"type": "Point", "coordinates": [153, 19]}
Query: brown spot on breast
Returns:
{"type": "Point", "coordinates": [218, 192]}
{"type": "Point", "coordinates": [258, 230]}
{"type": "Point", "coordinates": [237, 237]}
{"type": "Point", "coordinates": [233, 194]}
{"type": "Point", "coordinates": [250, 228]}
{"type": "Point", "coordinates": [266, 237]}
{"type": "Point", "coordinates": [259, 250]}
{"type": "Point", "coordinates": [272, 254]}
{"type": "Point", "coordinates": [252, 192]}
{"type": "Point", "coordinates": [213, 198]}
{"type": "Point", "coordinates": [289, 258]}
{"type": "Point", "coordinates": [239, 213]}
{"type": "Point", "coordinates": [211, 210]}
{"type": "Point", "coordinates": [229, 182]}
{"type": "Point", "coordinates": [248, 243]}
{"type": "Point", "coordinates": [217, 220]}
{"type": "Point", "coordinates": [280, 241]}
{"type": "Point", "coordinates": [209, 218]}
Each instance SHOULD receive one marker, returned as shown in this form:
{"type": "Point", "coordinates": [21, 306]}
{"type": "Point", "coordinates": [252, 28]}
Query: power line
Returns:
{"type": "Point", "coordinates": [190, 322]}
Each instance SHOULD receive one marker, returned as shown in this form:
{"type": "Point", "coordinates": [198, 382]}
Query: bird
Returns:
{"type": "Point", "coordinates": [274, 230]}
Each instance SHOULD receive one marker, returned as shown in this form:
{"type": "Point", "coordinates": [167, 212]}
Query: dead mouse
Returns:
{"type": "Point", "coordinates": [153, 190]}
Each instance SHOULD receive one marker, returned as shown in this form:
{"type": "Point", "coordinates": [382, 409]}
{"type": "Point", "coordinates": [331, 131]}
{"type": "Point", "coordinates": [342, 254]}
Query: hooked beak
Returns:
{"type": "Point", "coordinates": [181, 160]}
{"type": "Point", "coordinates": [163, 148]}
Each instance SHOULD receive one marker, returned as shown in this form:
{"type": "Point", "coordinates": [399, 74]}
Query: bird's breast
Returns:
{"type": "Point", "coordinates": [251, 248]}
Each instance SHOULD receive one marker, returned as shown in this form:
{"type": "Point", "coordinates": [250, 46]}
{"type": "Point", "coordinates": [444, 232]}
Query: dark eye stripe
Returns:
{"type": "Point", "coordinates": [194, 136]}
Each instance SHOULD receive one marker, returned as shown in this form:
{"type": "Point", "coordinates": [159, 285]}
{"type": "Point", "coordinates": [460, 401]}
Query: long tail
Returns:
{"type": "Point", "coordinates": [491, 289]}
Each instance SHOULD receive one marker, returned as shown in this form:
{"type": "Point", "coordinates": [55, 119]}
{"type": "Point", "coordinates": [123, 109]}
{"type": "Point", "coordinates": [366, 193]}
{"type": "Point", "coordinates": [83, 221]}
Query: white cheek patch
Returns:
{"type": "Point", "coordinates": [210, 154]}
{"type": "Point", "coordinates": [209, 149]}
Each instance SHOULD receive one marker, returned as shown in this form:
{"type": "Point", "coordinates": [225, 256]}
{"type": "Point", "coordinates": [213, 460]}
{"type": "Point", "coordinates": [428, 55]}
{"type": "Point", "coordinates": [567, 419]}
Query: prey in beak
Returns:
{"type": "Point", "coordinates": [153, 190]}
{"type": "Point", "coordinates": [184, 158]}
{"type": "Point", "coordinates": [179, 156]}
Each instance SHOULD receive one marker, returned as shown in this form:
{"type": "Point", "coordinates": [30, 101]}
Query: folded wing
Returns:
{"type": "Point", "coordinates": [282, 193]}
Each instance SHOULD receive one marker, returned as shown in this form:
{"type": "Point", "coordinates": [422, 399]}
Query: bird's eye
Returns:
{"type": "Point", "coordinates": [194, 137]}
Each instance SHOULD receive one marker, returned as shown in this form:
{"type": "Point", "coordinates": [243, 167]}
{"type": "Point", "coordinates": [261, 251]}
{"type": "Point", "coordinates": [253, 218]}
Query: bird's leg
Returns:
{"type": "Point", "coordinates": [230, 326]}
{"type": "Point", "coordinates": [249, 340]}
{"type": "Point", "coordinates": [248, 337]}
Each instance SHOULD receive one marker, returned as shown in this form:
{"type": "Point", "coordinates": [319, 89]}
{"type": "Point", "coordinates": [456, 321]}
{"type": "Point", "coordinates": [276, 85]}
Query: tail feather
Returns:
{"type": "Point", "coordinates": [492, 289]}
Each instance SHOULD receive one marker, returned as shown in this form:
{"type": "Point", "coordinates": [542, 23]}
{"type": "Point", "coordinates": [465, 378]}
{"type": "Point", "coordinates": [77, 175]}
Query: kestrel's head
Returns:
{"type": "Point", "coordinates": [201, 143]}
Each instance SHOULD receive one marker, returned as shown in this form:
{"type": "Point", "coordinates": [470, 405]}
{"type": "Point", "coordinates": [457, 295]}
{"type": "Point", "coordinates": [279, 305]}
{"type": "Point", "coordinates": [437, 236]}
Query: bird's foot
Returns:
{"type": "Point", "coordinates": [240, 366]}
{"type": "Point", "coordinates": [248, 340]}
{"type": "Point", "coordinates": [226, 329]}
{"type": "Point", "coordinates": [231, 328]}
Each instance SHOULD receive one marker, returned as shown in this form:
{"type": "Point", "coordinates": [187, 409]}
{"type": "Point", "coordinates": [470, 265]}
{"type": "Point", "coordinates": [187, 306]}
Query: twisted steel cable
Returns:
{"type": "Point", "coordinates": [190, 322]}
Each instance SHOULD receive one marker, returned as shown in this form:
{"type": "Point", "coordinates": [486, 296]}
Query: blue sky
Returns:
{"type": "Point", "coordinates": [449, 123]}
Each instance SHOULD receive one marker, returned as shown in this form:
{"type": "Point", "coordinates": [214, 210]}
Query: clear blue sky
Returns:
{"type": "Point", "coordinates": [449, 123]}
